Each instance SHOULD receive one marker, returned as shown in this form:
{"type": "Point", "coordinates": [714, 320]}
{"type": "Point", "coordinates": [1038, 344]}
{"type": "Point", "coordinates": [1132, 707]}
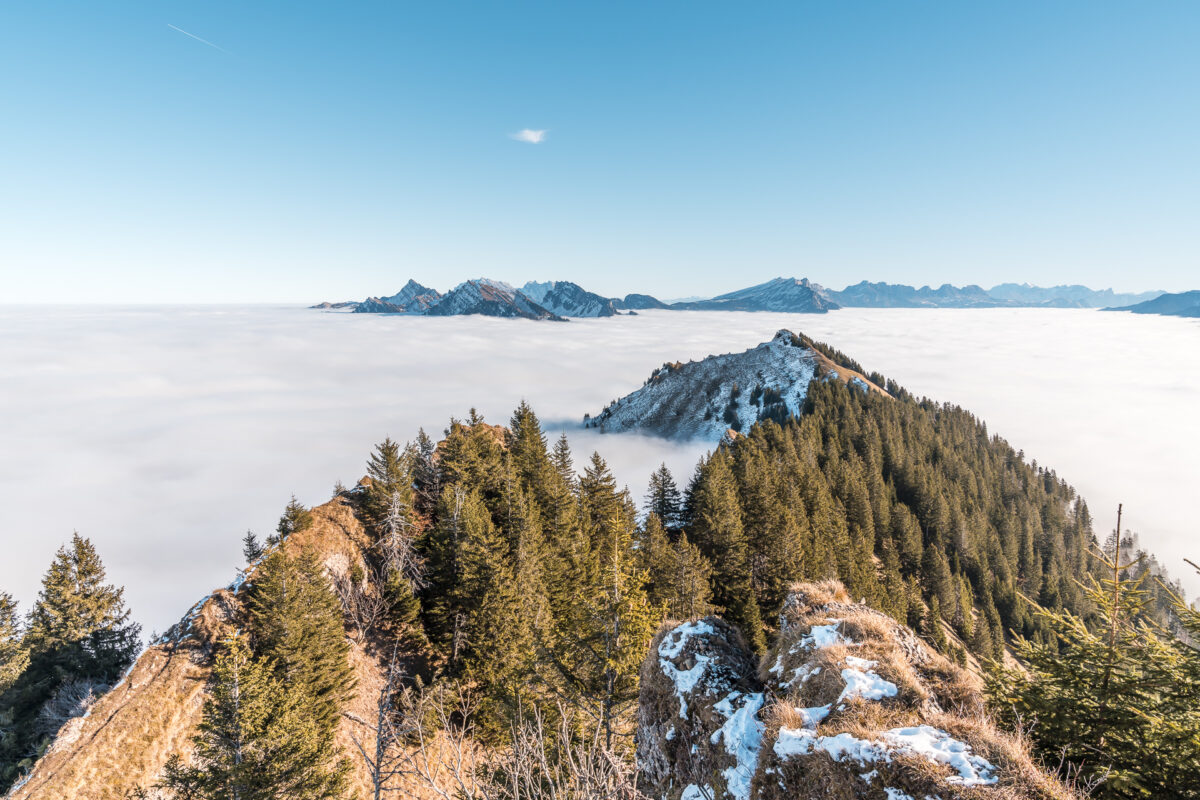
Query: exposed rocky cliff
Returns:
{"type": "Point", "coordinates": [846, 704]}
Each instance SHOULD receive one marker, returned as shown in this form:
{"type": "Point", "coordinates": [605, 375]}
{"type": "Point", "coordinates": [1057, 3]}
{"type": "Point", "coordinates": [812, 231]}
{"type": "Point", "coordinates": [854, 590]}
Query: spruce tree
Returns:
{"type": "Point", "coordinates": [256, 739]}
{"type": "Point", "coordinates": [79, 631]}
{"type": "Point", "coordinates": [296, 622]}
{"type": "Point", "coordinates": [664, 499]}
{"type": "Point", "coordinates": [295, 518]}
{"type": "Point", "coordinates": [677, 573]}
{"type": "Point", "coordinates": [1102, 699]}
{"type": "Point", "coordinates": [13, 657]}
{"type": "Point", "coordinates": [716, 527]}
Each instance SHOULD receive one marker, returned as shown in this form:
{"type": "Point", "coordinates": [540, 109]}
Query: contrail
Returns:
{"type": "Point", "coordinates": [197, 38]}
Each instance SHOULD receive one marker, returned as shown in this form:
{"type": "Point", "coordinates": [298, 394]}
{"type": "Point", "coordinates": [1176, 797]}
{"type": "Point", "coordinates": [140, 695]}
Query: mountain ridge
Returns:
{"type": "Point", "coordinates": [566, 299]}
{"type": "Point", "coordinates": [732, 391]}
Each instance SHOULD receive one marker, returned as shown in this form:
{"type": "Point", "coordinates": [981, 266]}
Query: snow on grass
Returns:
{"type": "Point", "coordinates": [812, 717]}
{"type": "Point", "coordinates": [940, 747]}
{"type": "Point", "coordinates": [932, 744]}
{"type": "Point", "coordinates": [694, 792]}
{"type": "Point", "coordinates": [896, 794]}
{"type": "Point", "coordinates": [672, 646]}
{"type": "Point", "coordinates": [865, 684]}
{"type": "Point", "coordinates": [822, 636]}
{"type": "Point", "coordinates": [742, 734]}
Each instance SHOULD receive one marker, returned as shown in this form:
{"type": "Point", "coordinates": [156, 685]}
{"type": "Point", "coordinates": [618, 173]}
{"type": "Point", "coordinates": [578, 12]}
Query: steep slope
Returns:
{"type": "Point", "coordinates": [704, 399]}
{"type": "Point", "coordinates": [847, 704]}
{"type": "Point", "coordinates": [414, 298]}
{"type": "Point", "coordinates": [130, 732]}
{"type": "Point", "coordinates": [1182, 304]}
{"type": "Point", "coordinates": [490, 298]}
{"type": "Point", "coordinates": [568, 299]}
{"type": "Point", "coordinates": [781, 294]}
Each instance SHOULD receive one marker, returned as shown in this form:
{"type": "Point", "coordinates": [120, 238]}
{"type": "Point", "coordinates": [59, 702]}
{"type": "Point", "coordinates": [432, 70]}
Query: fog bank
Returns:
{"type": "Point", "coordinates": [164, 433]}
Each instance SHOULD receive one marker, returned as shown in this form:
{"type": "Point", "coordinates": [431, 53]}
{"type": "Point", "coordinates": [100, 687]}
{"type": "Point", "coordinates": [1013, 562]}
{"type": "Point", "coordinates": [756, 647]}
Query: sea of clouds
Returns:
{"type": "Point", "coordinates": [164, 433]}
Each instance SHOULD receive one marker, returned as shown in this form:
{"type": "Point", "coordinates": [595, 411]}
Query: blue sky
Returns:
{"type": "Point", "coordinates": [330, 151]}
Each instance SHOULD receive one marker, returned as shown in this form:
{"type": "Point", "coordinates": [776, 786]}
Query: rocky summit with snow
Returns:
{"type": "Point", "coordinates": [490, 298]}
{"type": "Point", "coordinates": [569, 299]}
{"type": "Point", "coordinates": [705, 399]}
{"type": "Point", "coordinates": [848, 703]}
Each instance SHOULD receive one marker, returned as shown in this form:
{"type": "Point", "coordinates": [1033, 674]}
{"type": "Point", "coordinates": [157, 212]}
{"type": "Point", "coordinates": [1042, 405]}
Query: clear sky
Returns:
{"type": "Point", "coordinates": [260, 151]}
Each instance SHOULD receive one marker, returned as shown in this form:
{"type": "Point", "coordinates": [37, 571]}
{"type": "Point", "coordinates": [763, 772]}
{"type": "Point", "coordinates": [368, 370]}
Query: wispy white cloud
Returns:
{"type": "Point", "coordinates": [529, 135]}
{"type": "Point", "coordinates": [197, 38]}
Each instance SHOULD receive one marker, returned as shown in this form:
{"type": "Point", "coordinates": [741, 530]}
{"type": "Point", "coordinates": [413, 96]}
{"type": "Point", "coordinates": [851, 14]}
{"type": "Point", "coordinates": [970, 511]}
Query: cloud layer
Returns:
{"type": "Point", "coordinates": [529, 135]}
{"type": "Point", "coordinates": [164, 433]}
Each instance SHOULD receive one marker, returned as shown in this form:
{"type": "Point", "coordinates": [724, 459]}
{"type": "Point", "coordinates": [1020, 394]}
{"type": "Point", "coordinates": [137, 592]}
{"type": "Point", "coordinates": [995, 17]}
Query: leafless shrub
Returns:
{"type": "Point", "coordinates": [72, 699]}
{"type": "Point", "coordinates": [445, 759]}
{"type": "Point", "coordinates": [364, 600]}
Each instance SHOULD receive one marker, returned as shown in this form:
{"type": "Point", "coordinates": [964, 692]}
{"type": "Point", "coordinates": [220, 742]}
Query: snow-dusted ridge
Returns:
{"type": "Point", "coordinates": [846, 703]}
{"type": "Point", "coordinates": [704, 399]}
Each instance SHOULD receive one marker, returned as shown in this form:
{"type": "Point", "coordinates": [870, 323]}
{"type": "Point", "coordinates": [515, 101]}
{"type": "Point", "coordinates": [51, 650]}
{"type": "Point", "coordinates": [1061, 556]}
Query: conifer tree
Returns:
{"type": "Point", "coordinates": [390, 470]}
{"type": "Point", "coordinates": [256, 739]}
{"type": "Point", "coordinates": [295, 518]}
{"type": "Point", "coordinates": [13, 657]}
{"type": "Point", "coordinates": [664, 499]}
{"type": "Point", "coordinates": [1103, 699]}
{"type": "Point", "coordinates": [79, 631]}
{"type": "Point", "coordinates": [425, 473]}
{"type": "Point", "coordinates": [716, 526]}
{"type": "Point", "coordinates": [296, 622]}
{"type": "Point", "coordinates": [252, 549]}
{"type": "Point", "coordinates": [677, 573]}
{"type": "Point", "coordinates": [601, 631]}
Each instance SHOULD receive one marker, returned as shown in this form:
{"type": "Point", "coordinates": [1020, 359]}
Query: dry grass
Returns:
{"type": "Point", "coordinates": [931, 691]}
{"type": "Point", "coordinates": [131, 731]}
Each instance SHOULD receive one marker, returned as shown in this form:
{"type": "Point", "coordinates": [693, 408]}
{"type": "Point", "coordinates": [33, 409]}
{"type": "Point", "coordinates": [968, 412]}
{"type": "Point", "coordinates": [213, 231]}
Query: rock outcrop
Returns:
{"type": "Point", "coordinates": [846, 704]}
{"type": "Point", "coordinates": [704, 399]}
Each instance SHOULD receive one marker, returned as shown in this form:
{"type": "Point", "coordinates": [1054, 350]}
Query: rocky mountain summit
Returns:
{"type": "Point", "coordinates": [704, 399]}
{"type": "Point", "coordinates": [490, 298]}
{"type": "Point", "coordinates": [847, 704]}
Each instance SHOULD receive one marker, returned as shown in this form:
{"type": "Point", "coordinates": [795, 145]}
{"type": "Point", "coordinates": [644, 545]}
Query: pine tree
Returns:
{"type": "Point", "coordinates": [296, 622]}
{"type": "Point", "coordinates": [256, 739]}
{"type": "Point", "coordinates": [13, 656]}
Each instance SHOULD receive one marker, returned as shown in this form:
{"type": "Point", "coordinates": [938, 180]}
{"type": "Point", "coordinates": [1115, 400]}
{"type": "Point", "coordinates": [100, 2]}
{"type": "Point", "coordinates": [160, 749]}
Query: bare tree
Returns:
{"type": "Point", "coordinates": [396, 535]}
{"type": "Point", "coordinates": [364, 599]}
{"type": "Point", "coordinates": [444, 757]}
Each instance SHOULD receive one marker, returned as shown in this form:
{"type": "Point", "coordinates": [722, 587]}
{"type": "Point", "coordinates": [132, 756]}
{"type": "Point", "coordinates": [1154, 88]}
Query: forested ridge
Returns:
{"type": "Point", "coordinates": [502, 572]}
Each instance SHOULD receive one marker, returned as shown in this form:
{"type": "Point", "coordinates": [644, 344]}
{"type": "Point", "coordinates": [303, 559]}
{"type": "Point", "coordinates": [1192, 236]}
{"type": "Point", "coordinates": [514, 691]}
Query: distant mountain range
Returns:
{"type": "Point", "coordinates": [559, 300]}
{"type": "Point", "coordinates": [1183, 304]}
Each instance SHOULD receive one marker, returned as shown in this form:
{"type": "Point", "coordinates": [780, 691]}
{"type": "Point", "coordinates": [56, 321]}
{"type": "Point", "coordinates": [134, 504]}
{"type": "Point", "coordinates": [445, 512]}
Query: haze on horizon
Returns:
{"type": "Point", "coordinates": [229, 152]}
